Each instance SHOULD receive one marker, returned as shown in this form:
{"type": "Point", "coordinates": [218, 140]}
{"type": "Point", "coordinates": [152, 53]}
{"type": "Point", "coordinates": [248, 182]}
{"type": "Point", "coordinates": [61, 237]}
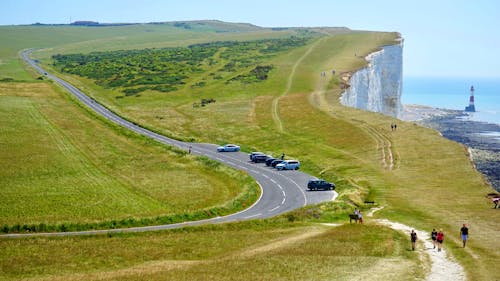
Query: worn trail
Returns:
{"type": "Point", "coordinates": [275, 104]}
{"type": "Point", "coordinates": [442, 266]}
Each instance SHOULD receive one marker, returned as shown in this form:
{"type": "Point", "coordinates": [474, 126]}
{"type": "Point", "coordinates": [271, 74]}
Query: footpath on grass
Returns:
{"type": "Point", "coordinates": [442, 266]}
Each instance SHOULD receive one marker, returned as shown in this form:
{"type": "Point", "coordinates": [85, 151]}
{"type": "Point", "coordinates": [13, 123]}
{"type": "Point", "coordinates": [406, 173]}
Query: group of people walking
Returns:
{"type": "Point", "coordinates": [438, 237]}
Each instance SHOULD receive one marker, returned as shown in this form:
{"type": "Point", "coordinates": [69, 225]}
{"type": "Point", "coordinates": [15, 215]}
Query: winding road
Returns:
{"type": "Point", "coordinates": [282, 191]}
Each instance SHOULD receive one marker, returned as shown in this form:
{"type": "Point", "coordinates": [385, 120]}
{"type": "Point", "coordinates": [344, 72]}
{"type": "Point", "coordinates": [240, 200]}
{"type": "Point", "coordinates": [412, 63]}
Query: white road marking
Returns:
{"type": "Point", "coordinates": [274, 208]}
{"type": "Point", "coordinates": [252, 216]}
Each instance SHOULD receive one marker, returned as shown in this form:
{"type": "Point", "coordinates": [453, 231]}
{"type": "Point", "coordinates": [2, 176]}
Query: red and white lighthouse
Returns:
{"type": "Point", "coordinates": [471, 107]}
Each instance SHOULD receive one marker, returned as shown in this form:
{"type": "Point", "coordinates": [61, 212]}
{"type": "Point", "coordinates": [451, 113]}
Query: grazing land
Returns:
{"type": "Point", "coordinates": [267, 250]}
{"type": "Point", "coordinates": [67, 167]}
{"type": "Point", "coordinates": [422, 179]}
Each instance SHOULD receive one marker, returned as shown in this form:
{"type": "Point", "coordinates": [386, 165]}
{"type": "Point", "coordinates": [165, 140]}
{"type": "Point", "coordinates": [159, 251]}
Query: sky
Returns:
{"type": "Point", "coordinates": [443, 38]}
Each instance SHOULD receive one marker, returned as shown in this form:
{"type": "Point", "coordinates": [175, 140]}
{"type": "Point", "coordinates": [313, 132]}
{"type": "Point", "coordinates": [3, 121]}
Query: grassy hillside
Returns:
{"type": "Point", "coordinates": [422, 179]}
{"type": "Point", "coordinates": [81, 170]}
{"type": "Point", "coordinates": [68, 39]}
{"type": "Point", "coordinates": [270, 250]}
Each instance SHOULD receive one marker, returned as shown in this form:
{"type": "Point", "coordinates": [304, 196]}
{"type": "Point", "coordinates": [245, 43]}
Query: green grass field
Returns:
{"type": "Point", "coordinates": [271, 250]}
{"type": "Point", "coordinates": [79, 169]}
{"type": "Point", "coordinates": [429, 183]}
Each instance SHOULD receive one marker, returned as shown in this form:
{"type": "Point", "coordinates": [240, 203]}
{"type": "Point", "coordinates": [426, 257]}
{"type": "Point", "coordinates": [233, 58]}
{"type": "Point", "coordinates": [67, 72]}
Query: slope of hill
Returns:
{"type": "Point", "coordinates": [353, 148]}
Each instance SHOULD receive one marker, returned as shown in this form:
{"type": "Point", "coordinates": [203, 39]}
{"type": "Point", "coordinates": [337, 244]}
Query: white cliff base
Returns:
{"type": "Point", "coordinates": [378, 86]}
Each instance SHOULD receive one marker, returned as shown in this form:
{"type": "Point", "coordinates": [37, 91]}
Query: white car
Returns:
{"type": "Point", "coordinates": [228, 148]}
{"type": "Point", "coordinates": [288, 165]}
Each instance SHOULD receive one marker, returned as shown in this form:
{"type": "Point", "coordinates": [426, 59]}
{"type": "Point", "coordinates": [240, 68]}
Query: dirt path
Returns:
{"type": "Point", "coordinates": [442, 266]}
{"type": "Point", "coordinates": [275, 109]}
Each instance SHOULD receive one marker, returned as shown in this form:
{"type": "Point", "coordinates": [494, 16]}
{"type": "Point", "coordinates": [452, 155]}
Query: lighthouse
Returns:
{"type": "Point", "coordinates": [471, 107]}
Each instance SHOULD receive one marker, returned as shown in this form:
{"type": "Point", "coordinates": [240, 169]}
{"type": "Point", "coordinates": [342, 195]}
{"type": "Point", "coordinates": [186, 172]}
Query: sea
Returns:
{"type": "Point", "coordinates": [454, 93]}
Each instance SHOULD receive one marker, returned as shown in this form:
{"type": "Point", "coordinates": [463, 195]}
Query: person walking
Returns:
{"type": "Point", "coordinates": [440, 239]}
{"type": "Point", "coordinates": [464, 232]}
{"type": "Point", "coordinates": [413, 238]}
{"type": "Point", "coordinates": [360, 217]}
{"type": "Point", "coordinates": [283, 156]}
{"type": "Point", "coordinates": [434, 234]}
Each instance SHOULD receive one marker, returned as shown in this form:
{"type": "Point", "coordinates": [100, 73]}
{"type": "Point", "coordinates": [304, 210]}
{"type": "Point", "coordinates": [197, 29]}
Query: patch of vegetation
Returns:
{"type": "Point", "coordinates": [167, 70]}
{"type": "Point", "coordinates": [259, 73]}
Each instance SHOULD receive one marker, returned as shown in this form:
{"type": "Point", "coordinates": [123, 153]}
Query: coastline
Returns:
{"type": "Point", "coordinates": [481, 138]}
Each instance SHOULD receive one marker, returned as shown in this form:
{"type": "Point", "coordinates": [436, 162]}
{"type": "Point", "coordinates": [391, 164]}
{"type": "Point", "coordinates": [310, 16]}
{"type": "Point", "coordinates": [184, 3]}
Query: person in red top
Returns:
{"type": "Point", "coordinates": [440, 239]}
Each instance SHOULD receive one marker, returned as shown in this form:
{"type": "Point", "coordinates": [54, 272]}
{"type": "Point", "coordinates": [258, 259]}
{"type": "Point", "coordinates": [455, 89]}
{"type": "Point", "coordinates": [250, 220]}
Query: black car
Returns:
{"type": "Point", "coordinates": [253, 154]}
{"type": "Point", "coordinates": [276, 162]}
{"type": "Point", "coordinates": [269, 160]}
{"type": "Point", "coordinates": [318, 184]}
{"type": "Point", "coordinates": [259, 158]}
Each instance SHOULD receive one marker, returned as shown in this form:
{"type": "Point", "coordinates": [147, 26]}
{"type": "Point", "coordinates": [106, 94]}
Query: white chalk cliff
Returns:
{"type": "Point", "coordinates": [378, 86]}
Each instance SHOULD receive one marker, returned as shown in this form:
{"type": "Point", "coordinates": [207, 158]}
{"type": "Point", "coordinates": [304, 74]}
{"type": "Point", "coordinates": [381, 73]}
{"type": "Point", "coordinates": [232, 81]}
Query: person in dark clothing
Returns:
{"type": "Point", "coordinates": [434, 235]}
{"type": "Point", "coordinates": [283, 156]}
{"type": "Point", "coordinates": [495, 201]}
{"type": "Point", "coordinates": [464, 232]}
{"type": "Point", "coordinates": [413, 237]}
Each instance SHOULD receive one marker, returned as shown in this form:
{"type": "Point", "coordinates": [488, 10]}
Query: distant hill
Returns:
{"type": "Point", "coordinates": [196, 25]}
{"type": "Point", "coordinates": [214, 25]}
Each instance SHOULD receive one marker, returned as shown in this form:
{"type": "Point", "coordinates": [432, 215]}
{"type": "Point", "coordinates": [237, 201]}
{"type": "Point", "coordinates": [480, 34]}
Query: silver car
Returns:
{"type": "Point", "coordinates": [288, 165]}
{"type": "Point", "coordinates": [228, 148]}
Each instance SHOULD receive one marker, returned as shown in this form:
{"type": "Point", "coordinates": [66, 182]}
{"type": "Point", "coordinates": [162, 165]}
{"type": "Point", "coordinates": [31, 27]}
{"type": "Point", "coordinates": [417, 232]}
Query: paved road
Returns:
{"type": "Point", "coordinates": [282, 191]}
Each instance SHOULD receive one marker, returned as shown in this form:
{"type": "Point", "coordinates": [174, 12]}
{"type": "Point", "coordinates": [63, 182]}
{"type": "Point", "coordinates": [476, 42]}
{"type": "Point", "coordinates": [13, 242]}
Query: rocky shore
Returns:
{"type": "Point", "coordinates": [483, 140]}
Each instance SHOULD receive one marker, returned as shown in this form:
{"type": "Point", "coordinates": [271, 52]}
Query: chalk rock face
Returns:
{"type": "Point", "coordinates": [378, 86]}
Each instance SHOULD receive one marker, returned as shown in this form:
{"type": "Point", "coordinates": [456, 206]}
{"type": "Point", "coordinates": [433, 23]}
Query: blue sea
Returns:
{"type": "Point", "coordinates": [454, 93]}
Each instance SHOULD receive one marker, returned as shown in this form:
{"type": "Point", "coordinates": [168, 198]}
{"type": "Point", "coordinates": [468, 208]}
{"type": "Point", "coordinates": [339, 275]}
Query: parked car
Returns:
{"type": "Point", "coordinates": [260, 158]}
{"type": "Point", "coordinates": [228, 148]}
{"type": "Point", "coordinates": [252, 155]}
{"type": "Point", "coordinates": [319, 184]}
{"type": "Point", "coordinates": [269, 160]}
{"type": "Point", "coordinates": [288, 165]}
{"type": "Point", "coordinates": [276, 162]}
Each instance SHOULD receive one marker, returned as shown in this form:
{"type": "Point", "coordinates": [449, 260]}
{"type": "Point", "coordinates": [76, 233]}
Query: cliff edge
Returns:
{"type": "Point", "coordinates": [378, 86]}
